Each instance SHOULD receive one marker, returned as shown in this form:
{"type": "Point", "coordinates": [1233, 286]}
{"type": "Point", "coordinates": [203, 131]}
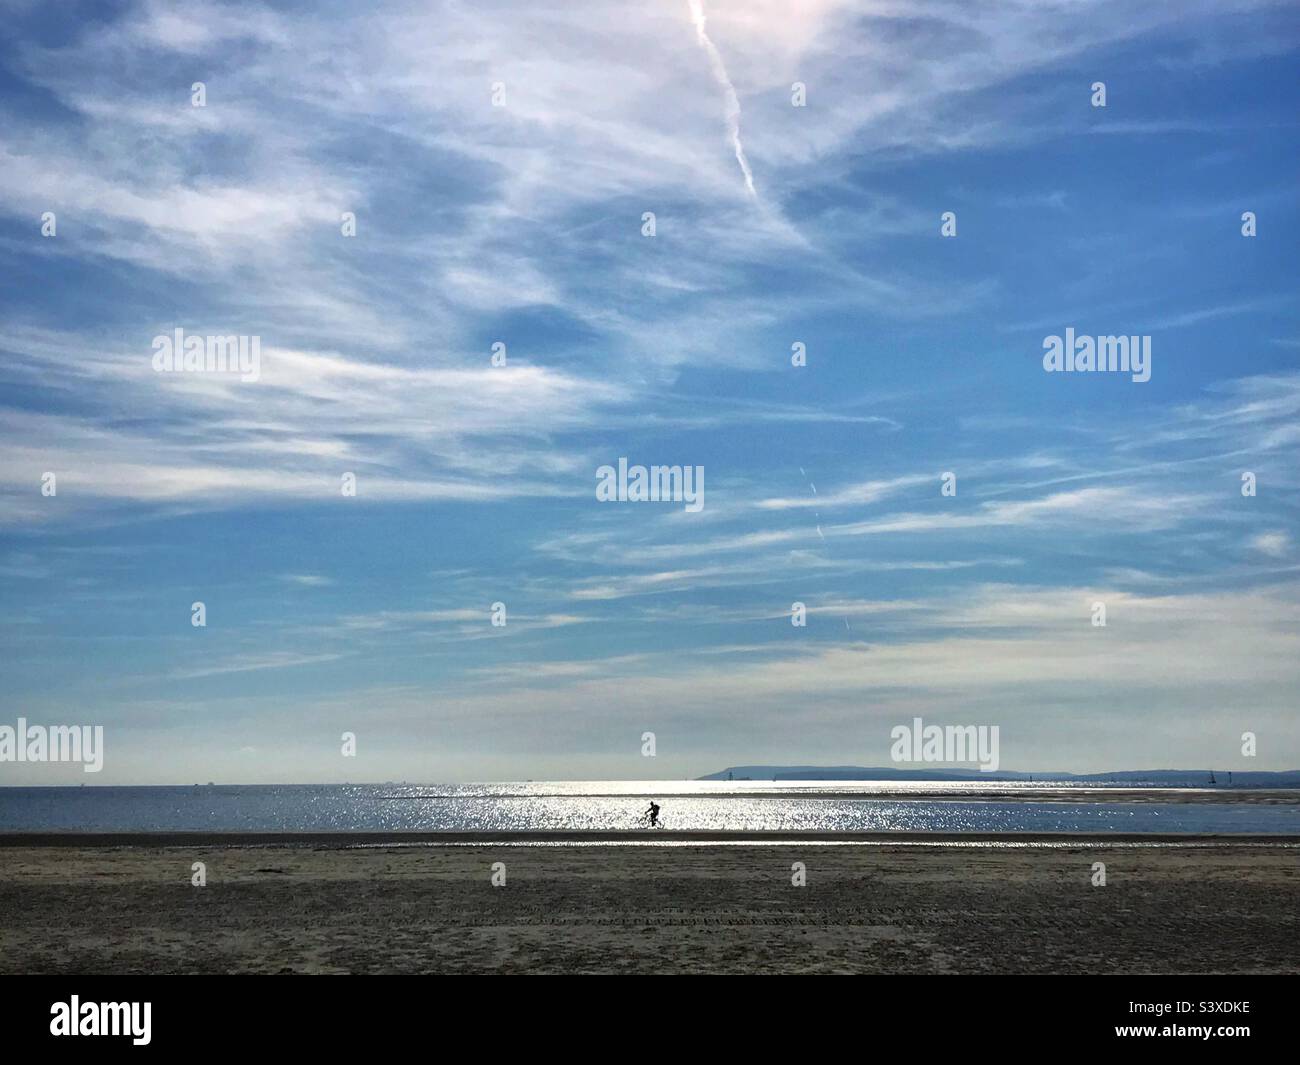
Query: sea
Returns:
{"type": "Point", "coordinates": [604, 806]}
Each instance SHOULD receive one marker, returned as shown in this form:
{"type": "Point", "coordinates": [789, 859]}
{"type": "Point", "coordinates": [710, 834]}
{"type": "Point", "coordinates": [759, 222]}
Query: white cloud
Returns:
{"type": "Point", "coordinates": [1274, 544]}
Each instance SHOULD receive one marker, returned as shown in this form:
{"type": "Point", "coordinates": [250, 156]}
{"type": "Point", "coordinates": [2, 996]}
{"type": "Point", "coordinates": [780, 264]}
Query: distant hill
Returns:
{"type": "Point", "coordinates": [1164, 777]}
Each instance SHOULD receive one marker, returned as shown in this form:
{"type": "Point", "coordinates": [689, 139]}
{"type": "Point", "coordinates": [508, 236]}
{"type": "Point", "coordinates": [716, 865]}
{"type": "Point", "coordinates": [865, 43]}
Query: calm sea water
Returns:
{"type": "Point", "coordinates": [610, 805]}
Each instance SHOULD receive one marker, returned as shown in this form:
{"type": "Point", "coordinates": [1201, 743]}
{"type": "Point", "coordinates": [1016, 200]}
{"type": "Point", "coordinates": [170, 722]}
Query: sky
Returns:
{"type": "Point", "coordinates": [499, 161]}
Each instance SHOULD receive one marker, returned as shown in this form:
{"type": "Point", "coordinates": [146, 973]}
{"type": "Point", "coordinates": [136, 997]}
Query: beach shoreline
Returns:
{"type": "Point", "coordinates": [349, 903]}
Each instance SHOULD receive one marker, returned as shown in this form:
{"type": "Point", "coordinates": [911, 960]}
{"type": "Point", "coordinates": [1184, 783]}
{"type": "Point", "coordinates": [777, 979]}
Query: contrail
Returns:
{"type": "Point", "coordinates": [733, 101]}
{"type": "Point", "coordinates": [818, 516]}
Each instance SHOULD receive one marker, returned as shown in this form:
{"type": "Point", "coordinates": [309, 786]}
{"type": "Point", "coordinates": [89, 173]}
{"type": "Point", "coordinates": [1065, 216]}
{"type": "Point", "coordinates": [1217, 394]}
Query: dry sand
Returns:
{"type": "Point", "coordinates": [328, 908]}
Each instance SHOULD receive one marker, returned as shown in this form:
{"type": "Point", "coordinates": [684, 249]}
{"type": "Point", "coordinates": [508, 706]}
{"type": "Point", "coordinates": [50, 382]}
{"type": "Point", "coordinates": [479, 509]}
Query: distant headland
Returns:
{"type": "Point", "coordinates": [1168, 778]}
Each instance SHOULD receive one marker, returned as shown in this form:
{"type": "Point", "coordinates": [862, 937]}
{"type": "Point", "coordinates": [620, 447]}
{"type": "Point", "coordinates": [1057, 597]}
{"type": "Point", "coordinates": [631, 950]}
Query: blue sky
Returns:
{"type": "Point", "coordinates": [522, 223]}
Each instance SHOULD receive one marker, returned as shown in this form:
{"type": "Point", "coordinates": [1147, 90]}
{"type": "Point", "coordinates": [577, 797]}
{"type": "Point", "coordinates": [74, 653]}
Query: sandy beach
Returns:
{"type": "Point", "coordinates": [358, 903]}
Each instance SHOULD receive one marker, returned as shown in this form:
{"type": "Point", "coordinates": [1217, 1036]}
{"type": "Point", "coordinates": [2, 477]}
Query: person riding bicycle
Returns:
{"type": "Point", "coordinates": [653, 814]}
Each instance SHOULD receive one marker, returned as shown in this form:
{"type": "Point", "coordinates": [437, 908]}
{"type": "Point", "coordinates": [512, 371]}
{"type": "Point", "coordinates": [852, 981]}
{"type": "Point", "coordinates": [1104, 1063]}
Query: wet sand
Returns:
{"type": "Point", "coordinates": [346, 904]}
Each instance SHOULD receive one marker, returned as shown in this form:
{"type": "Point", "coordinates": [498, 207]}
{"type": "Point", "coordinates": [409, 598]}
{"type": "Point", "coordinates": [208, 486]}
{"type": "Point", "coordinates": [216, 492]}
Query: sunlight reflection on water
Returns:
{"type": "Point", "coordinates": [790, 813]}
{"type": "Point", "coordinates": [604, 806]}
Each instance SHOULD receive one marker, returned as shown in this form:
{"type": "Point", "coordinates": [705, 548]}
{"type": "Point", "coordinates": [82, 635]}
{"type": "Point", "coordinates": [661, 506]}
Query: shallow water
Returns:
{"type": "Point", "coordinates": [613, 805]}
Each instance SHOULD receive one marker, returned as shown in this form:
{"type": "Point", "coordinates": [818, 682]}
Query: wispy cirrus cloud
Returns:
{"type": "Point", "coordinates": [521, 224]}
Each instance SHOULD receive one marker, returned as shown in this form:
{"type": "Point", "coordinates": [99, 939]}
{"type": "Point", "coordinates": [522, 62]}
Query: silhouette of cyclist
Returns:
{"type": "Point", "coordinates": [653, 814]}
